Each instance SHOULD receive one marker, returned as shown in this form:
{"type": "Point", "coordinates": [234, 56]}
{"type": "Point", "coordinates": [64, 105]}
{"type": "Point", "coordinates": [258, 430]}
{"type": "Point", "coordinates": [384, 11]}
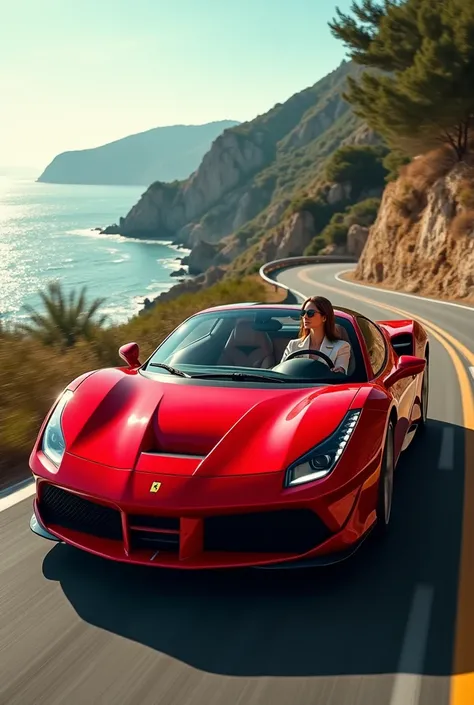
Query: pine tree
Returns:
{"type": "Point", "coordinates": [418, 89]}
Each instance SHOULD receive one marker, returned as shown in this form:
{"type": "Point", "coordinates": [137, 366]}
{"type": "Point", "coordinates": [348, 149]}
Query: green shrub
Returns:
{"type": "Point", "coordinates": [361, 166]}
{"type": "Point", "coordinates": [363, 213]}
{"type": "Point", "coordinates": [393, 162]}
{"type": "Point", "coordinates": [318, 207]}
{"type": "Point", "coordinates": [335, 233]}
{"type": "Point", "coordinates": [315, 246]}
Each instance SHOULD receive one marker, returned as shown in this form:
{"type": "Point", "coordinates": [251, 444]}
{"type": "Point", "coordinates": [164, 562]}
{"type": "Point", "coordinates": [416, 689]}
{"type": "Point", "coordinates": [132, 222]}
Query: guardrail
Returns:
{"type": "Point", "coordinates": [279, 265]}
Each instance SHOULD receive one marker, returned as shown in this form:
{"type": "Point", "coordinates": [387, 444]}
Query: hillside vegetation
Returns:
{"type": "Point", "coordinates": [345, 192]}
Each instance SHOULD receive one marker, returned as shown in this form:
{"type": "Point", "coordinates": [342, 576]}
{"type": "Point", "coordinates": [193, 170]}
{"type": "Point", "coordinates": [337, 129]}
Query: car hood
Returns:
{"type": "Point", "coordinates": [125, 420]}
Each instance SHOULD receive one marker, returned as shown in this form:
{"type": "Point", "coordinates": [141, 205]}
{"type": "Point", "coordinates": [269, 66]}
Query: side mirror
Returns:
{"type": "Point", "coordinates": [407, 366]}
{"type": "Point", "coordinates": [130, 353]}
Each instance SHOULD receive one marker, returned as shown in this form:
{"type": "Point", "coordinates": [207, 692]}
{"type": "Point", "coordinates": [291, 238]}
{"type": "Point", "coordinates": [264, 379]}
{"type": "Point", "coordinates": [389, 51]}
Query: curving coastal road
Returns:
{"type": "Point", "coordinates": [385, 629]}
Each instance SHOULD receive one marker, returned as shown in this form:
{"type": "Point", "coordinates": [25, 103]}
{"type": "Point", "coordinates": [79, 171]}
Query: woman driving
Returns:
{"type": "Point", "coordinates": [318, 332]}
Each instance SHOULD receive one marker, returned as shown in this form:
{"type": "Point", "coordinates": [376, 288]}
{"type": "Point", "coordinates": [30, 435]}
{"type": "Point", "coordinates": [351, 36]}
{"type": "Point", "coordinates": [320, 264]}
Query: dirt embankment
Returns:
{"type": "Point", "coordinates": [423, 239]}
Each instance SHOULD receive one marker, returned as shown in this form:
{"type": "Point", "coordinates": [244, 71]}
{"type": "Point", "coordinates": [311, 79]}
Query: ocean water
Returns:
{"type": "Point", "coordinates": [47, 233]}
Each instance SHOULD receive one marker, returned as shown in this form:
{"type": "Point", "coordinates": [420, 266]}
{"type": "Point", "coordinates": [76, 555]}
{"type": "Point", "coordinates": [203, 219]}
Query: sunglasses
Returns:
{"type": "Point", "coordinates": [312, 312]}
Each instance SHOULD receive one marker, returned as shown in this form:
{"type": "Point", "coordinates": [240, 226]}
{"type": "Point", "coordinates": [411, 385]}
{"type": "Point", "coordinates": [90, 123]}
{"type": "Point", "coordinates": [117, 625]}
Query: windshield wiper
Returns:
{"type": "Point", "coordinates": [171, 370]}
{"type": "Point", "coordinates": [238, 377]}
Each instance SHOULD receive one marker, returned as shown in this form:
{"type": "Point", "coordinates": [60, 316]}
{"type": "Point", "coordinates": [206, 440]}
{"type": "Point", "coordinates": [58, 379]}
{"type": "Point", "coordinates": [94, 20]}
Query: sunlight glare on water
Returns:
{"type": "Point", "coordinates": [47, 233]}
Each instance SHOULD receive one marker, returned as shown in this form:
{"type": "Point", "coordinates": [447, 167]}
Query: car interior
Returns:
{"type": "Point", "coordinates": [257, 341]}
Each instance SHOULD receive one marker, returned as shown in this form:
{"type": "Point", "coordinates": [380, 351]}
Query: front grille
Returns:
{"type": "Point", "coordinates": [69, 511]}
{"type": "Point", "coordinates": [283, 531]}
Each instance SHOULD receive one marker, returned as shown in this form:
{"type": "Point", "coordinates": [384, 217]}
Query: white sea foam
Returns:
{"type": "Point", "coordinates": [97, 235]}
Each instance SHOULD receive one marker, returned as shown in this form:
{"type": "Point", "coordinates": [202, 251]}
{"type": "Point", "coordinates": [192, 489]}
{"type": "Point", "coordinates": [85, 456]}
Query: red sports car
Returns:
{"type": "Point", "coordinates": [213, 454]}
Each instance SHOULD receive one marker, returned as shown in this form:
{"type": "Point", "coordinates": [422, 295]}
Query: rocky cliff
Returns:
{"type": "Point", "coordinates": [423, 238]}
{"type": "Point", "coordinates": [177, 209]}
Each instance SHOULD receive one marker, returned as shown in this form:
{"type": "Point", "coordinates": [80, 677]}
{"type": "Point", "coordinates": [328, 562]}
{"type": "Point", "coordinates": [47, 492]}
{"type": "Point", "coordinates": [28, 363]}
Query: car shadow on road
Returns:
{"type": "Point", "coordinates": [350, 619]}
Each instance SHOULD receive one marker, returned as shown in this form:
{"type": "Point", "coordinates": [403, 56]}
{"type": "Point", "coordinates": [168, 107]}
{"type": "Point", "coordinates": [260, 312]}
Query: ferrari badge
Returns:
{"type": "Point", "coordinates": [155, 486]}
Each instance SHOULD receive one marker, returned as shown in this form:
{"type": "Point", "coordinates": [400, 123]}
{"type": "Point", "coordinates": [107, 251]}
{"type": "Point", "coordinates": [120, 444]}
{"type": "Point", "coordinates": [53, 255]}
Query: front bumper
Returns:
{"type": "Point", "coordinates": [197, 523]}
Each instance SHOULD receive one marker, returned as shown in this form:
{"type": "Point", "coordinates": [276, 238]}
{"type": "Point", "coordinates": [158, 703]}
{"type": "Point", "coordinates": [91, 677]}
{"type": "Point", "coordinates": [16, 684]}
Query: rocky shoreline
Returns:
{"type": "Point", "coordinates": [189, 280]}
{"type": "Point", "coordinates": [195, 272]}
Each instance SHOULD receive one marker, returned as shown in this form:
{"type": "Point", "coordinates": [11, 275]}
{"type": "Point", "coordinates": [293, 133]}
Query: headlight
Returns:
{"type": "Point", "coordinates": [322, 459]}
{"type": "Point", "coordinates": [53, 445]}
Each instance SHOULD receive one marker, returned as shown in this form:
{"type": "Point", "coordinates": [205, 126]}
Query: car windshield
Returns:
{"type": "Point", "coordinates": [238, 344]}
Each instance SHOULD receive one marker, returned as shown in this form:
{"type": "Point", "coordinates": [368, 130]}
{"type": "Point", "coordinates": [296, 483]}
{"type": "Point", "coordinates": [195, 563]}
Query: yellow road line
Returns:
{"type": "Point", "coordinates": [462, 680]}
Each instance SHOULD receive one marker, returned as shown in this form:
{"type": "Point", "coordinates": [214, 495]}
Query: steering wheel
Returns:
{"type": "Point", "coordinates": [310, 351]}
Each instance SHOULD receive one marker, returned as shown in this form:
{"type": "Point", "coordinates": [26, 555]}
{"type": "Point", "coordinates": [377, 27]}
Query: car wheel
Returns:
{"type": "Point", "coordinates": [425, 393]}
{"type": "Point", "coordinates": [385, 490]}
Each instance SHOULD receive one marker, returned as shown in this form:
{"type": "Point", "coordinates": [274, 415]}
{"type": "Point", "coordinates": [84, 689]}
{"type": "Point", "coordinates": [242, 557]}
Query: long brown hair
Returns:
{"type": "Point", "coordinates": [324, 306]}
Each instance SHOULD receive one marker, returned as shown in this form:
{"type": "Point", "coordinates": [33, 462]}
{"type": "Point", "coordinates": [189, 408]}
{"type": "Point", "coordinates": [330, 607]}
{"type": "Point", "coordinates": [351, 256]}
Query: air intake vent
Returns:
{"type": "Point", "coordinates": [70, 511]}
{"type": "Point", "coordinates": [403, 344]}
{"type": "Point", "coordinates": [283, 531]}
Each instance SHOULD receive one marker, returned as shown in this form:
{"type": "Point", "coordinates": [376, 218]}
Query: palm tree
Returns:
{"type": "Point", "coordinates": [65, 320]}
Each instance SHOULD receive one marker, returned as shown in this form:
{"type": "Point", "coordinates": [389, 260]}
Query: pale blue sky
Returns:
{"type": "Point", "coordinates": [79, 73]}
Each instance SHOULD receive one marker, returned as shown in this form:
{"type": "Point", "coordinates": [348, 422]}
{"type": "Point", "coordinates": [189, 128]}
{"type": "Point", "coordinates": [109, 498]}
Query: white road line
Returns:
{"type": "Point", "coordinates": [339, 278]}
{"type": "Point", "coordinates": [16, 495]}
{"type": "Point", "coordinates": [446, 455]}
{"type": "Point", "coordinates": [407, 685]}
{"type": "Point", "coordinates": [471, 370]}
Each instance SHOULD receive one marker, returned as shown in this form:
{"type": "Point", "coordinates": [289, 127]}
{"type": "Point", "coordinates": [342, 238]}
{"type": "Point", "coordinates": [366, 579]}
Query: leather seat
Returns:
{"type": "Point", "coordinates": [341, 331]}
{"type": "Point", "coordinates": [247, 347]}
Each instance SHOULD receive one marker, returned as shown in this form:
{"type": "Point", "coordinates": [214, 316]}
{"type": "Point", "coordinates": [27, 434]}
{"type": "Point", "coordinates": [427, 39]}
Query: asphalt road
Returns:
{"type": "Point", "coordinates": [378, 630]}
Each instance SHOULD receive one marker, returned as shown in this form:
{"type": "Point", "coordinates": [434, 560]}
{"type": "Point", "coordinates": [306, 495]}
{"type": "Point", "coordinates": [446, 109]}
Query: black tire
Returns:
{"type": "Point", "coordinates": [385, 487]}
{"type": "Point", "coordinates": [425, 394]}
